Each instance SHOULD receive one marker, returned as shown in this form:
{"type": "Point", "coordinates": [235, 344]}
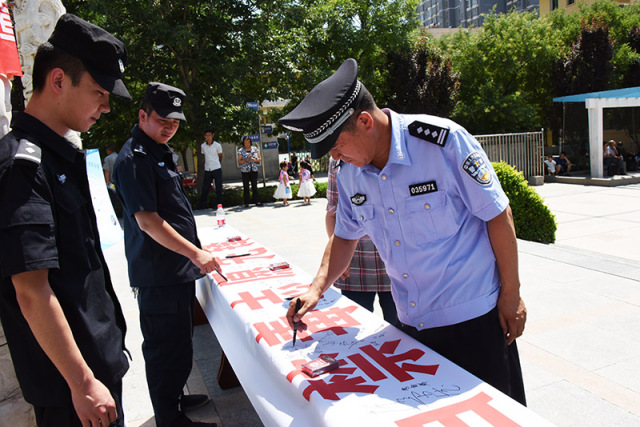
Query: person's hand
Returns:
{"type": "Point", "coordinates": [94, 404]}
{"type": "Point", "coordinates": [512, 314]}
{"type": "Point", "coordinates": [308, 302]}
{"type": "Point", "coordinates": [346, 274]}
{"type": "Point", "coordinates": [206, 262]}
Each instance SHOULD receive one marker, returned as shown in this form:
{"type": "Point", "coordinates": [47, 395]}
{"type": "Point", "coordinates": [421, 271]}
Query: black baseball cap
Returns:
{"type": "Point", "coordinates": [102, 54]}
{"type": "Point", "coordinates": [323, 112]}
{"type": "Point", "coordinates": [166, 100]}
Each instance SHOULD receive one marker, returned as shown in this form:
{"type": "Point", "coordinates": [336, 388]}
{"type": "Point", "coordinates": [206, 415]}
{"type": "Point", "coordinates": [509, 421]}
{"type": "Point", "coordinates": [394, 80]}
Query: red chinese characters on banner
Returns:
{"type": "Point", "coordinates": [387, 363]}
{"type": "Point", "coordinates": [225, 246]}
{"type": "Point", "coordinates": [258, 273]}
{"type": "Point", "coordinates": [9, 61]}
{"type": "Point", "coordinates": [256, 300]}
{"type": "Point", "coordinates": [334, 319]}
{"type": "Point", "coordinates": [448, 416]}
{"type": "Point", "coordinates": [338, 384]}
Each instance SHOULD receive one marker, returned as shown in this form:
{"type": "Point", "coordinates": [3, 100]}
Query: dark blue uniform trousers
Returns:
{"type": "Point", "coordinates": [166, 321]}
{"type": "Point", "coordinates": [480, 347]}
{"type": "Point", "coordinates": [366, 299]}
{"type": "Point", "coordinates": [55, 416]}
{"type": "Point", "coordinates": [209, 177]}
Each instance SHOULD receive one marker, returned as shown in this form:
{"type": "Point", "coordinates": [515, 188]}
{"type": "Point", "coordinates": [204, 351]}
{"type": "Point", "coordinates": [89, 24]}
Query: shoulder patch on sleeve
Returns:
{"type": "Point", "coordinates": [477, 167]}
{"type": "Point", "coordinates": [430, 133]}
{"type": "Point", "coordinates": [28, 151]}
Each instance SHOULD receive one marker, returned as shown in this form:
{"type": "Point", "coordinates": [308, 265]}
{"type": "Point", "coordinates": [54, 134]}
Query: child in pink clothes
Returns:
{"type": "Point", "coordinates": [284, 188]}
{"type": "Point", "coordinates": [307, 189]}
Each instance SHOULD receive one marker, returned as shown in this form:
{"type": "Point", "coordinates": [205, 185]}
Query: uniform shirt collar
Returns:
{"type": "Point", "coordinates": [398, 153]}
{"type": "Point", "coordinates": [398, 148]}
{"type": "Point", "coordinates": [159, 151]}
{"type": "Point", "coordinates": [46, 137]}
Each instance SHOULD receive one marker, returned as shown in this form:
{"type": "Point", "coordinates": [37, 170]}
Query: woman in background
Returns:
{"type": "Point", "coordinates": [248, 159]}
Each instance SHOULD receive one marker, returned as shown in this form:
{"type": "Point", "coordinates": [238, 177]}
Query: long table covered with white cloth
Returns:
{"type": "Point", "coordinates": [385, 378]}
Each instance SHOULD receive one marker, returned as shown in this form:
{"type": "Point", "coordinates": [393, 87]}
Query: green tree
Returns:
{"type": "Point", "coordinates": [215, 51]}
{"type": "Point", "coordinates": [630, 75]}
{"type": "Point", "coordinates": [505, 73]}
{"type": "Point", "coordinates": [588, 66]}
{"type": "Point", "coordinates": [620, 23]}
{"type": "Point", "coordinates": [598, 55]}
{"type": "Point", "coordinates": [420, 80]}
{"type": "Point", "coordinates": [332, 31]}
{"type": "Point", "coordinates": [225, 53]}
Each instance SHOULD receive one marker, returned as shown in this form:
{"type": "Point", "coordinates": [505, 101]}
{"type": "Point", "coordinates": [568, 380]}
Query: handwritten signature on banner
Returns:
{"type": "Point", "coordinates": [335, 319]}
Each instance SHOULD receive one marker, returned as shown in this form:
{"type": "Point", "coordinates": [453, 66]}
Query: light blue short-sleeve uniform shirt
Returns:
{"type": "Point", "coordinates": [426, 212]}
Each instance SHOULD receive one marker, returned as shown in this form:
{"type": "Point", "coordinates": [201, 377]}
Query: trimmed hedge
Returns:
{"type": "Point", "coordinates": [533, 219]}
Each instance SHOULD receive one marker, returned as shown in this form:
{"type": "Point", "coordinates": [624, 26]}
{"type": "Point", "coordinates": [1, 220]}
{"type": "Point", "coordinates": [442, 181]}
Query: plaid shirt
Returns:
{"type": "Point", "coordinates": [367, 271]}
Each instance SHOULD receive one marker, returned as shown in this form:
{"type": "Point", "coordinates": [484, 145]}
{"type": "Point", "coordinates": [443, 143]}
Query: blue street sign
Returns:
{"type": "Point", "coordinates": [252, 106]}
{"type": "Point", "coordinates": [269, 145]}
{"type": "Point", "coordinates": [267, 129]}
{"type": "Point", "coordinates": [254, 137]}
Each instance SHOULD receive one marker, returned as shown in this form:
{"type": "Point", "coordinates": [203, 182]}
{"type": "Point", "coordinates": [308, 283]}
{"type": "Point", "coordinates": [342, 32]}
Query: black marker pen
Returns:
{"type": "Point", "coordinates": [237, 255]}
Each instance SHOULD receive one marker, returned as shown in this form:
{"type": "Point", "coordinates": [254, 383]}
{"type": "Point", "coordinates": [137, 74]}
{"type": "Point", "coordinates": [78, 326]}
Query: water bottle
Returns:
{"type": "Point", "coordinates": [220, 216]}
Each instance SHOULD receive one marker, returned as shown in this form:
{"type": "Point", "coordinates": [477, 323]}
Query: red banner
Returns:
{"type": "Point", "coordinates": [9, 60]}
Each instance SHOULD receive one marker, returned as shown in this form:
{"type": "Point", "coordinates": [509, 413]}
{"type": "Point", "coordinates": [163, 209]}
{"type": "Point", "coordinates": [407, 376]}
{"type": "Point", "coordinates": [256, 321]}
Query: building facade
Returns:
{"type": "Point", "coordinates": [570, 6]}
{"type": "Point", "coordinates": [466, 13]}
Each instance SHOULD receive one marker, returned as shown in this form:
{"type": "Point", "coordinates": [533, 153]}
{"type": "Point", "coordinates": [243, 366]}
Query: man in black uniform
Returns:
{"type": "Point", "coordinates": [164, 253]}
{"type": "Point", "coordinates": [63, 322]}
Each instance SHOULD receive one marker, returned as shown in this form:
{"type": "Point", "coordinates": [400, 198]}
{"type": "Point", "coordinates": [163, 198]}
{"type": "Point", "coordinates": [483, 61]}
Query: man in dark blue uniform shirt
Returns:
{"type": "Point", "coordinates": [63, 322]}
{"type": "Point", "coordinates": [164, 253]}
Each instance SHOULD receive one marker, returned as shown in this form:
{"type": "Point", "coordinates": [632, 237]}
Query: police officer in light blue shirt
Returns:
{"type": "Point", "coordinates": [423, 189]}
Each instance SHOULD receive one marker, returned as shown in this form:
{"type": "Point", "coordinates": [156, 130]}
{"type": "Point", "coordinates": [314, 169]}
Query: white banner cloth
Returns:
{"type": "Point", "coordinates": [108, 225]}
{"type": "Point", "coordinates": [385, 377]}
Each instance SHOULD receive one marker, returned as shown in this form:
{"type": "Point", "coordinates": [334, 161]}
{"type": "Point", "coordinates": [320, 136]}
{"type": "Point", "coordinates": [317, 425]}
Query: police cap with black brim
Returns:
{"type": "Point", "coordinates": [166, 100]}
{"type": "Point", "coordinates": [103, 55]}
{"type": "Point", "coordinates": [323, 112]}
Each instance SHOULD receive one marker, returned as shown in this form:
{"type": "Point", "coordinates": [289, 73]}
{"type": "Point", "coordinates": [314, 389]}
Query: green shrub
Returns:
{"type": "Point", "coordinates": [321, 188]}
{"type": "Point", "coordinates": [533, 219]}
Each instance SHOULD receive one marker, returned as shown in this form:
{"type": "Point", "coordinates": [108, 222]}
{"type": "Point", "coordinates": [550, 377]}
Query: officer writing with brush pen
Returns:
{"type": "Point", "coordinates": [423, 189]}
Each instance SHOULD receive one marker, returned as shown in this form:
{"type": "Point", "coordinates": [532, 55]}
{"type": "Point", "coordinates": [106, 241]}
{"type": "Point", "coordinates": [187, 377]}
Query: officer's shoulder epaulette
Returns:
{"type": "Point", "coordinates": [429, 132]}
{"type": "Point", "coordinates": [28, 151]}
{"type": "Point", "coordinates": [138, 149]}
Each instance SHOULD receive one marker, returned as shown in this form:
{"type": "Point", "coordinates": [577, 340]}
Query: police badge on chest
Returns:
{"type": "Point", "coordinates": [358, 199]}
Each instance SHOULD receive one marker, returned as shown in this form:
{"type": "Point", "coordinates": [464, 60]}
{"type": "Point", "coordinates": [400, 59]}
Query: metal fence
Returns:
{"type": "Point", "coordinates": [524, 151]}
